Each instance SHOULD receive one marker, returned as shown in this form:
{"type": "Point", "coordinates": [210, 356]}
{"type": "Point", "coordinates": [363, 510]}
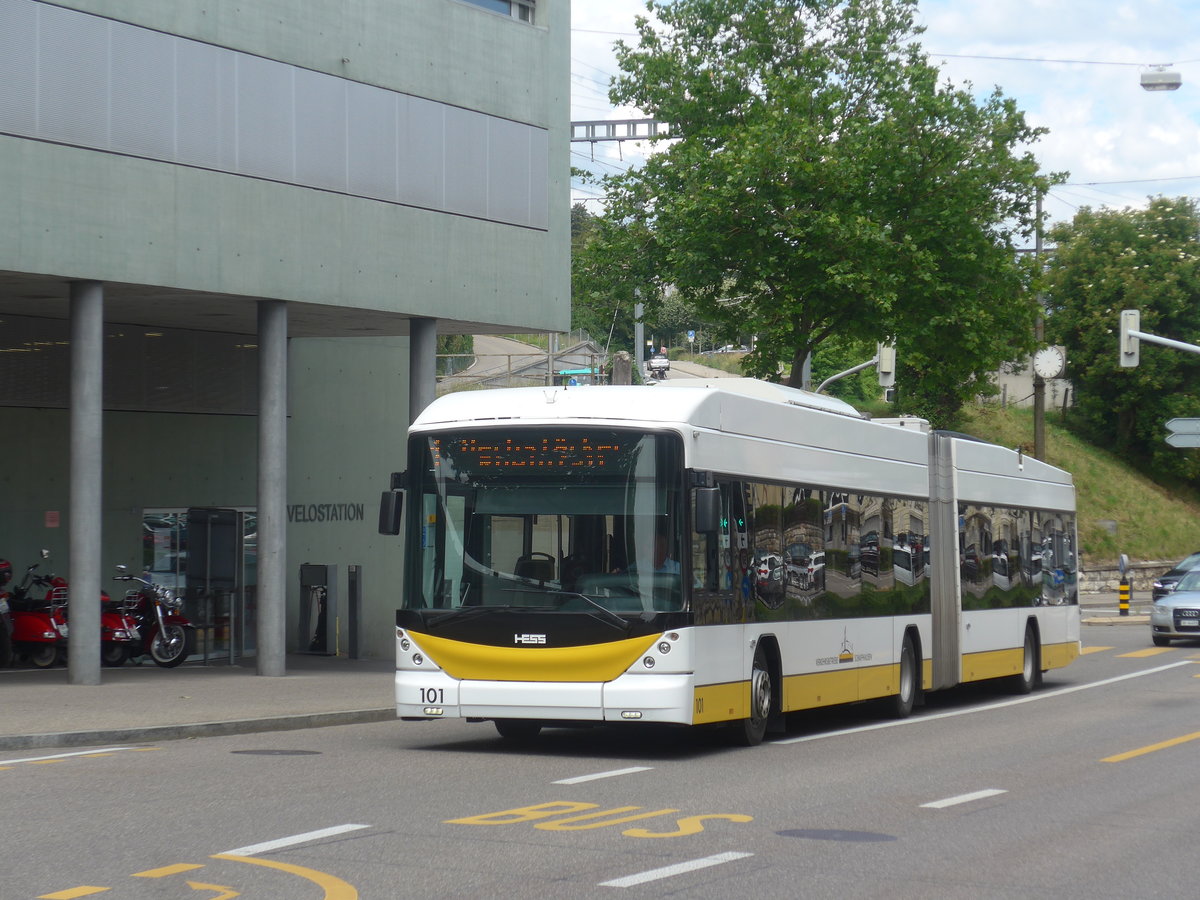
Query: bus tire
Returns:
{"type": "Point", "coordinates": [518, 729]}
{"type": "Point", "coordinates": [906, 690]}
{"type": "Point", "coordinates": [1024, 681]}
{"type": "Point", "coordinates": [751, 730]}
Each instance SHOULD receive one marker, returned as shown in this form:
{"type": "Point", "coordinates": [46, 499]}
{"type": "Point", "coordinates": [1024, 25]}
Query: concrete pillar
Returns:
{"type": "Point", "coordinates": [422, 365]}
{"type": "Point", "coordinates": [272, 487]}
{"type": "Point", "coordinates": [87, 441]}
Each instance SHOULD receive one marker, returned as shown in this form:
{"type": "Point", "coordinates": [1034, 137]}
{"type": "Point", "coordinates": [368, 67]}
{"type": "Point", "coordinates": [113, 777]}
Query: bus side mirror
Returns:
{"type": "Point", "coordinates": [391, 505]}
{"type": "Point", "coordinates": [708, 510]}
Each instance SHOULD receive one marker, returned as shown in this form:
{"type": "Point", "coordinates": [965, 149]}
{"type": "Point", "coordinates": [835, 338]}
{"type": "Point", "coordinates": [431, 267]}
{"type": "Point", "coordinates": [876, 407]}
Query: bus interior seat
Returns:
{"type": "Point", "coordinates": [538, 566]}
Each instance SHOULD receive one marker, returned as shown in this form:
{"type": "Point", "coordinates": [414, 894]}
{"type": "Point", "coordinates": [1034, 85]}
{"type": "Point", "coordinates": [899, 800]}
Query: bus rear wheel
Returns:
{"type": "Point", "coordinates": [1023, 682]}
{"type": "Point", "coordinates": [752, 729]}
{"type": "Point", "coordinates": [906, 690]}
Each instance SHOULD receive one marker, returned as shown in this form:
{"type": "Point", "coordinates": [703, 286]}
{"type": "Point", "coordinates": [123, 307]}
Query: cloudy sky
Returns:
{"type": "Point", "coordinates": [1073, 66]}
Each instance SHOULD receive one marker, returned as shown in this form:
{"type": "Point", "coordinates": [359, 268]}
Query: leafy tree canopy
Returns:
{"type": "Point", "coordinates": [1144, 259]}
{"type": "Point", "coordinates": [819, 181]}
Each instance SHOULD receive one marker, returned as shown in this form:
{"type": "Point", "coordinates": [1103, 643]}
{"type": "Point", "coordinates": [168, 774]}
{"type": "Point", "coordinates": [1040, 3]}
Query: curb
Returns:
{"type": "Point", "coordinates": [1117, 620]}
{"type": "Point", "coordinates": [194, 729]}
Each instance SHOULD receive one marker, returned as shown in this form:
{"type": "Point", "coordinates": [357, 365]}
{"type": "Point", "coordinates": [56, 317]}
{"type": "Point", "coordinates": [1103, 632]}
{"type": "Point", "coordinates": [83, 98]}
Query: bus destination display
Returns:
{"type": "Point", "coordinates": [549, 452]}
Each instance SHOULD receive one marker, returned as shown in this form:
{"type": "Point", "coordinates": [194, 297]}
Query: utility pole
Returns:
{"type": "Point", "coordinates": [1039, 383]}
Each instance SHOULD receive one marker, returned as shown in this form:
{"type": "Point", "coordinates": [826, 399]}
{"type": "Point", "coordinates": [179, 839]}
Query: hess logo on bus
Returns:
{"type": "Point", "coordinates": [529, 639]}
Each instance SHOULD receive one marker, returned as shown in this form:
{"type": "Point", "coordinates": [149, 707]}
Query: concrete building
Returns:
{"type": "Point", "coordinates": [229, 235]}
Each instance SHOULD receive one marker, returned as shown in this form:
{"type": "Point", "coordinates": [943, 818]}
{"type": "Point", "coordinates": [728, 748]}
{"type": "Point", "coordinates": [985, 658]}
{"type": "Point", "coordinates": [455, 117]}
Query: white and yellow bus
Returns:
{"type": "Point", "coordinates": [599, 554]}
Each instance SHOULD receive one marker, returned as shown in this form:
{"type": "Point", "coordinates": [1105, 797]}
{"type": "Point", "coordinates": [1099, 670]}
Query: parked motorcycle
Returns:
{"type": "Point", "coordinates": [6, 647]}
{"type": "Point", "coordinates": [166, 634]}
{"type": "Point", "coordinates": [39, 622]}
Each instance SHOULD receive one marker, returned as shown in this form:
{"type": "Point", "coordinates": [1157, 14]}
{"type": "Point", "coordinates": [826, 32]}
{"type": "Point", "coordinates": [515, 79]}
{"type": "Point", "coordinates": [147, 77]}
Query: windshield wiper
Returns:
{"type": "Point", "coordinates": [598, 611]}
{"type": "Point", "coordinates": [466, 612]}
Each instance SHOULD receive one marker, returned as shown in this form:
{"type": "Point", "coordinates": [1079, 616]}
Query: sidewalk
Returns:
{"type": "Point", "coordinates": [41, 708]}
{"type": "Point", "coordinates": [148, 703]}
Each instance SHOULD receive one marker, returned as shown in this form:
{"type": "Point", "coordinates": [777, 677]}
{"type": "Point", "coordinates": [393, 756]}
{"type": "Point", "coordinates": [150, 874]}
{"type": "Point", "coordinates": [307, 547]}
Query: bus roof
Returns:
{"type": "Point", "coordinates": [794, 435]}
{"type": "Point", "coordinates": [669, 401]}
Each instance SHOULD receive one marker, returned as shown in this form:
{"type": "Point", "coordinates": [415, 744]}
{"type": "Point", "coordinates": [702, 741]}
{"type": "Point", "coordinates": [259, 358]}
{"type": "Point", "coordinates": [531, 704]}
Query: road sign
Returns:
{"type": "Point", "coordinates": [1184, 426]}
{"type": "Point", "coordinates": [1183, 439]}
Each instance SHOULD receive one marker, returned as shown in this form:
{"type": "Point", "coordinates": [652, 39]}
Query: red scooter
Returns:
{"type": "Point", "coordinates": [119, 637]}
{"type": "Point", "coordinates": [39, 624]}
{"type": "Point", "coordinates": [6, 647]}
{"type": "Point", "coordinates": [165, 633]}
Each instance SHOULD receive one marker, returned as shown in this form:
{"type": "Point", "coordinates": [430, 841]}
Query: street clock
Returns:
{"type": "Point", "coordinates": [1049, 362]}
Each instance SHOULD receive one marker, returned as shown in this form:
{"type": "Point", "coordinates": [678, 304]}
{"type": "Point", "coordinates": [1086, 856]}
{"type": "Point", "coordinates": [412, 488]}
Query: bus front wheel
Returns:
{"type": "Point", "coordinates": [754, 728]}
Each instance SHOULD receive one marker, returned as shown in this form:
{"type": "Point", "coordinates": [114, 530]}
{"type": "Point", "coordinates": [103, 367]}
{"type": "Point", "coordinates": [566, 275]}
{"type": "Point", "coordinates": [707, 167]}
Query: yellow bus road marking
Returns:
{"type": "Point", "coordinates": [1141, 654]}
{"type": "Point", "coordinates": [164, 871]}
{"type": "Point", "coordinates": [223, 893]}
{"type": "Point", "coordinates": [595, 817]}
{"type": "Point", "coordinates": [1086, 650]}
{"type": "Point", "coordinates": [1163, 745]}
{"type": "Point", "coordinates": [335, 888]}
{"type": "Point", "coordinates": [71, 893]}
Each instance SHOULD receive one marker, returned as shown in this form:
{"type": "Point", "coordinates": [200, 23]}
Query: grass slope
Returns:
{"type": "Point", "coordinates": [1151, 522]}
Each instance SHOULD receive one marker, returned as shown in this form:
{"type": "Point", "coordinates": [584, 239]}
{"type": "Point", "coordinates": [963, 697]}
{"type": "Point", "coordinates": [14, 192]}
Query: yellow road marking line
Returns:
{"type": "Point", "coordinates": [1149, 651]}
{"type": "Point", "coordinates": [1086, 650]}
{"type": "Point", "coordinates": [70, 893]}
{"type": "Point", "coordinates": [1142, 751]}
{"type": "Point", "coordinates": [44, 762]}
{"type": "Point", "coordinates": [168, 870]}
{"type": "Point", "coordinates": [224, 892]}
{"type": "Point", "coordinates": [335, 888]}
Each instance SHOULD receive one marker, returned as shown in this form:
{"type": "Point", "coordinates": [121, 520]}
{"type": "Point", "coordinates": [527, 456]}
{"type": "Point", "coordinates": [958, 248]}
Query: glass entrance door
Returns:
{"type": "Point", "coordinates": [210, 557]}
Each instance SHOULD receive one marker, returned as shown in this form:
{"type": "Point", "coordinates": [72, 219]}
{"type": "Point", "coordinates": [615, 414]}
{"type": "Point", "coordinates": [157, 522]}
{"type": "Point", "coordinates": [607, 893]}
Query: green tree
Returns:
{"type": "Point", "coordinates": [820, 182]}
{"type": "Point", "coordinates": [603, 307]}
{"type": "Point", "coordinates": [1145, 259]}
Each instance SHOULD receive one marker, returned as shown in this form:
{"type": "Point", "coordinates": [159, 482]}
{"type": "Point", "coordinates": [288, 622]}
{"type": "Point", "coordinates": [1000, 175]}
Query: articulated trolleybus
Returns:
{"type": "Point", "coordinates": [714, 552]}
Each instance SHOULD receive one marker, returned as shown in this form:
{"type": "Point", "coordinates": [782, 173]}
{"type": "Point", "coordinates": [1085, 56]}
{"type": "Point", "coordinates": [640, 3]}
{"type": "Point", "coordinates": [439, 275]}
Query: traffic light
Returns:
{"type": "Point", "coordinates": [886, 354]}
{"type": "Point", "coordinates": [1131, 321]}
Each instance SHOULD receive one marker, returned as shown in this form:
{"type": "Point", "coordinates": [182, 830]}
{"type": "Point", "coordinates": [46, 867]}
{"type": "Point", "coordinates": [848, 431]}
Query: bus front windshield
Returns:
{"type": "Point", "coordinates": [546, 518]}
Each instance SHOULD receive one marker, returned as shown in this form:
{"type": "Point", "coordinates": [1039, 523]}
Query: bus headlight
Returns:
{"type": "Point", "coordinates": [405, 644]}
{"type": "Point", "coordinates": [418, 659]}
{"type": "Point", "coordinates": [648, 662]}
{"type": "Point", "coordinates": [664, 648]}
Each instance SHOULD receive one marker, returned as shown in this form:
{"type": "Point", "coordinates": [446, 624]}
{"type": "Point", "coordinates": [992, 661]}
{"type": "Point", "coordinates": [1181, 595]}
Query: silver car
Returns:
{"type": "Point", "coordinates": [1177, 614]}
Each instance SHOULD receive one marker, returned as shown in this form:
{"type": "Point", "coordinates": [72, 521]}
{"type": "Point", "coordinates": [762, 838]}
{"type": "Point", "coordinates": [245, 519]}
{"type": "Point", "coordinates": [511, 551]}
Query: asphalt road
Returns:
{"type": "Point", "coordinates": [1081, 789]}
